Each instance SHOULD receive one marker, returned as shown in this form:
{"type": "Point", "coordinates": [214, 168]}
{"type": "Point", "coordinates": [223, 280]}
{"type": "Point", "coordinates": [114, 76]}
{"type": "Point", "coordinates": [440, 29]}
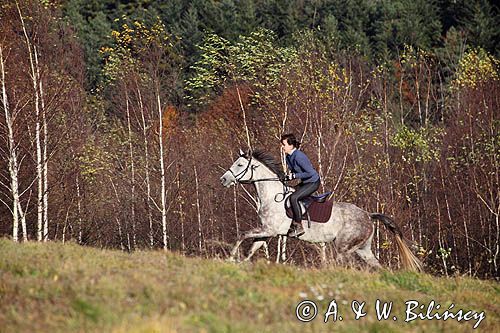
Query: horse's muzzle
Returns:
{"type": "Point", "coordinates": [227, 180]}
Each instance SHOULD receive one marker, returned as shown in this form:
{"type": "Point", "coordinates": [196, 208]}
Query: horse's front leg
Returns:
{"type": "Point", "coordinates": [257, 244]}
{"type": "Point", "coordinates": [254, 233]}
{"type": "Point", "coordinates": [235, 249]}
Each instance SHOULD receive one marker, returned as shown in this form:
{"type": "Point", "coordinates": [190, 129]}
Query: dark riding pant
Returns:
{"type": "Point", "coordinates": [302, 191]}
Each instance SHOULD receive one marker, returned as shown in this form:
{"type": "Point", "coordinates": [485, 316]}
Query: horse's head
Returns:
{"type": "Point", "coordinates": [240, 171]}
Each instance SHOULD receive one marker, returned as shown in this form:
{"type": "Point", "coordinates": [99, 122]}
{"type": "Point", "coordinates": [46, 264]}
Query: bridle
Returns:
{"type": "Point", "coordinates": [243, 173]}
{"type": "Point", "coordinates": [252, 168]}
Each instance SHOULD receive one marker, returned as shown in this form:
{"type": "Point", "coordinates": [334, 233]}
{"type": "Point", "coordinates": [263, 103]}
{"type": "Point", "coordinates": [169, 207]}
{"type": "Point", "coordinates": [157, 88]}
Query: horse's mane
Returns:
{"type": "Point", "coordinates": [269, 161]}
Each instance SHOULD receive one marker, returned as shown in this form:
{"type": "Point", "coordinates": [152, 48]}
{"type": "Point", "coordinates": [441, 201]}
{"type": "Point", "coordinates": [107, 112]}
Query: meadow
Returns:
{"type": "Point", "coordinates": [55, 287]}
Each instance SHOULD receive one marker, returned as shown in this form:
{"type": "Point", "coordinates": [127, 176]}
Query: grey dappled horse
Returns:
{"type": "Point", "coordinates": [349, 227]}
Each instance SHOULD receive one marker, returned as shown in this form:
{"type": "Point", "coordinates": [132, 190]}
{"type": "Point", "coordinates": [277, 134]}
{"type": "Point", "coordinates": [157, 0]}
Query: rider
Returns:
{"type": "Point", "coordinates": [300, 167]}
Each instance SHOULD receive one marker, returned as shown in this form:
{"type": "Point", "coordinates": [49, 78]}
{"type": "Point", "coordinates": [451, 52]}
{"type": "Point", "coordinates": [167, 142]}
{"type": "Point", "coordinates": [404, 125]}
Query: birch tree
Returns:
{"type": "Point", "coordinates": [41, 126]}
{"type": "Point", "coordinates": [141, 68]}
{"type": "Point", "coordinates": [13, 160]}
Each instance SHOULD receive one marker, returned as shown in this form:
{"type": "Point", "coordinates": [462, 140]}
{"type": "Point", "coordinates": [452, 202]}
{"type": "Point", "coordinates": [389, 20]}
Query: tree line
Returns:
{"type": "Point", "coordinates": [125, 150]}
{"type": "Point", "coordinates": [378, 30]}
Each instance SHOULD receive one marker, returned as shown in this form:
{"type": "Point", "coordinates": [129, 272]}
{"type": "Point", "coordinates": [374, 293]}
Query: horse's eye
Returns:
{"type": "Point", "coordinates": [240, 165]}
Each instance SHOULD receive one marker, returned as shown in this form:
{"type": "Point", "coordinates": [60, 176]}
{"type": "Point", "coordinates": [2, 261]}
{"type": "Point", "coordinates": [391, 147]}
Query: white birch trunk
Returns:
{"type": "Point", "coordinates": [247, 132]}
{"type": "Point", "coordinates": [148, 182]}
{"type": "Point", "coordinates": [45, 180]}
{"type": "Point", "coordinates": [12, 155]}
{"type": "Point", "coordinates": [79, 205]}
{"type": "Point", "coordinates": [132, 166]}
{"type": "Point", "coordinates": [235, 207]}
{"type": "Point", "coordinates": [162, 170]}
{"type": "Point", "coordinates": [279, 249]}
{"type": "Point", "coordinates": [200, 235]}
{"type": "Point", "coordinates": [45, 185]}
{"type": "Point", "coordinates": [39, 169]}
{"type": "Point", "coordinates": [23, 218]}
{"type": "Point", "coordinates": [65, 226]}
{"type": "Point", "coordinates": [320, 162]}
{"type": "Point", "coordinates": [282, 239]}
{"type": "Point", "coordinates": [181, 214]}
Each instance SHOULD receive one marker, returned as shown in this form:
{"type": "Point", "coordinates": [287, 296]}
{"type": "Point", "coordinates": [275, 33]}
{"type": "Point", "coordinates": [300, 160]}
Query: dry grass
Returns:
{"type": "Point", "coordinates": [59, 288]}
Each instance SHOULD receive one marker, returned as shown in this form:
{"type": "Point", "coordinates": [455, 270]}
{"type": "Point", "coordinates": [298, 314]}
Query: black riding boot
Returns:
{"type": "Point", "coordinates": [296, 230]}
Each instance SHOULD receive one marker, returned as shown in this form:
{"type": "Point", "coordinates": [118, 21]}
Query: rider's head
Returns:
{"type": "Point", "coordinates": [289, 142]}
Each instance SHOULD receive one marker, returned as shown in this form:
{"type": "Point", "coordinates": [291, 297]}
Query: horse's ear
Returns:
{"type": "Point", "coordinates": [241, 153]}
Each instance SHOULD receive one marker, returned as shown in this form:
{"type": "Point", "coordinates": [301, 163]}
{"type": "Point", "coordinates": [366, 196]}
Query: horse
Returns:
{"type": "Point", "coordinates": [349, 227]}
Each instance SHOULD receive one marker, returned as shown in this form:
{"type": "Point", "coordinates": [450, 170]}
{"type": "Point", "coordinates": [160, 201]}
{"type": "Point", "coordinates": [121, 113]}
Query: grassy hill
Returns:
{"type": "Point", "coordinates": [60, 288]}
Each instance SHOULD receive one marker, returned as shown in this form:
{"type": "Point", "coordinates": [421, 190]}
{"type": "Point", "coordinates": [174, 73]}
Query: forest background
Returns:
{"type": "Point", "coordinates": [119, 117]}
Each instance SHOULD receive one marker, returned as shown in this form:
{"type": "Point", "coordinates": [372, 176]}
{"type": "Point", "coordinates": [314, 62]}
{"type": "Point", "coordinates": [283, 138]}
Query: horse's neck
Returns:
{"type": "Point", "coordinates": [267, 190]}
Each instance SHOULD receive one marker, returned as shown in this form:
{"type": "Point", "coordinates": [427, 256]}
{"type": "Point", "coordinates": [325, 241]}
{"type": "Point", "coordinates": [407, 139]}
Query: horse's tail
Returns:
{"type": "Point", "coordinates": [408, 259]}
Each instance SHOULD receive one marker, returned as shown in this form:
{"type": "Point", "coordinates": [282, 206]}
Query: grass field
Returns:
{"type": "Point", "coordinates": [57, 287]}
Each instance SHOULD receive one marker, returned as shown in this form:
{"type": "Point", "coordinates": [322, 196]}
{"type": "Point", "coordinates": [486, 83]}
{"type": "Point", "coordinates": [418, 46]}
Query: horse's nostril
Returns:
{"type": "Point", "coordinates": [223, 179]}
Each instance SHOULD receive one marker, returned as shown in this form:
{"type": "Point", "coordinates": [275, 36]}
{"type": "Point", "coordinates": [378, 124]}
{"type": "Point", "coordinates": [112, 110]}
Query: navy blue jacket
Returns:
{"type": "Point", "coordinates": [300, 165]}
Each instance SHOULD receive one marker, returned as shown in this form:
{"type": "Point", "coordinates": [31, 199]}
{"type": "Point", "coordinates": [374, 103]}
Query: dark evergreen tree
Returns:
{"type": "Point", "coordinates": [93, 28]}
{"type": "Point", "coordinates": [394, 24]}
{"type": "Point", "coordinates": [482, 22]}
{"type": "Point", "coordinates": [377, 29]}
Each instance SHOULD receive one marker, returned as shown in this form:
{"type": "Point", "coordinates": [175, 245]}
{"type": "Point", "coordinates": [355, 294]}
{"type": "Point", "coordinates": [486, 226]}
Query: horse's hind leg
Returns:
{"type": "Point", "coordinates": [366, 254]}
{"type": "Point", "coordinates": [344, 259]}
{"type": "Point", "coordinates": [368, 257]}
{"type": "Point", "coordinates": [345, 248]}
{"type": "Point", "coordinates": [355, 235]}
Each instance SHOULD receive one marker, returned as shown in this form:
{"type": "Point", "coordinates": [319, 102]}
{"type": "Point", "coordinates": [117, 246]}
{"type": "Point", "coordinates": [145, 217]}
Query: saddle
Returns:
{"type": "Point", "coordinates": [314, 208]}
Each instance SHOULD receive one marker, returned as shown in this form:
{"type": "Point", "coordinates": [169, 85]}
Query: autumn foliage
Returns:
{"type": "Point", "coordinates": [135, 163]}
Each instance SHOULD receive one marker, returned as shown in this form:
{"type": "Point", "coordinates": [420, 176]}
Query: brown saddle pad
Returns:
{"type": "Point", "coordinates": [318, 211]}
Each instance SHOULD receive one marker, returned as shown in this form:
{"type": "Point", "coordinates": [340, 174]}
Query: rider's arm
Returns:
{"type": "Point", "coordinates": [306, 165]}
